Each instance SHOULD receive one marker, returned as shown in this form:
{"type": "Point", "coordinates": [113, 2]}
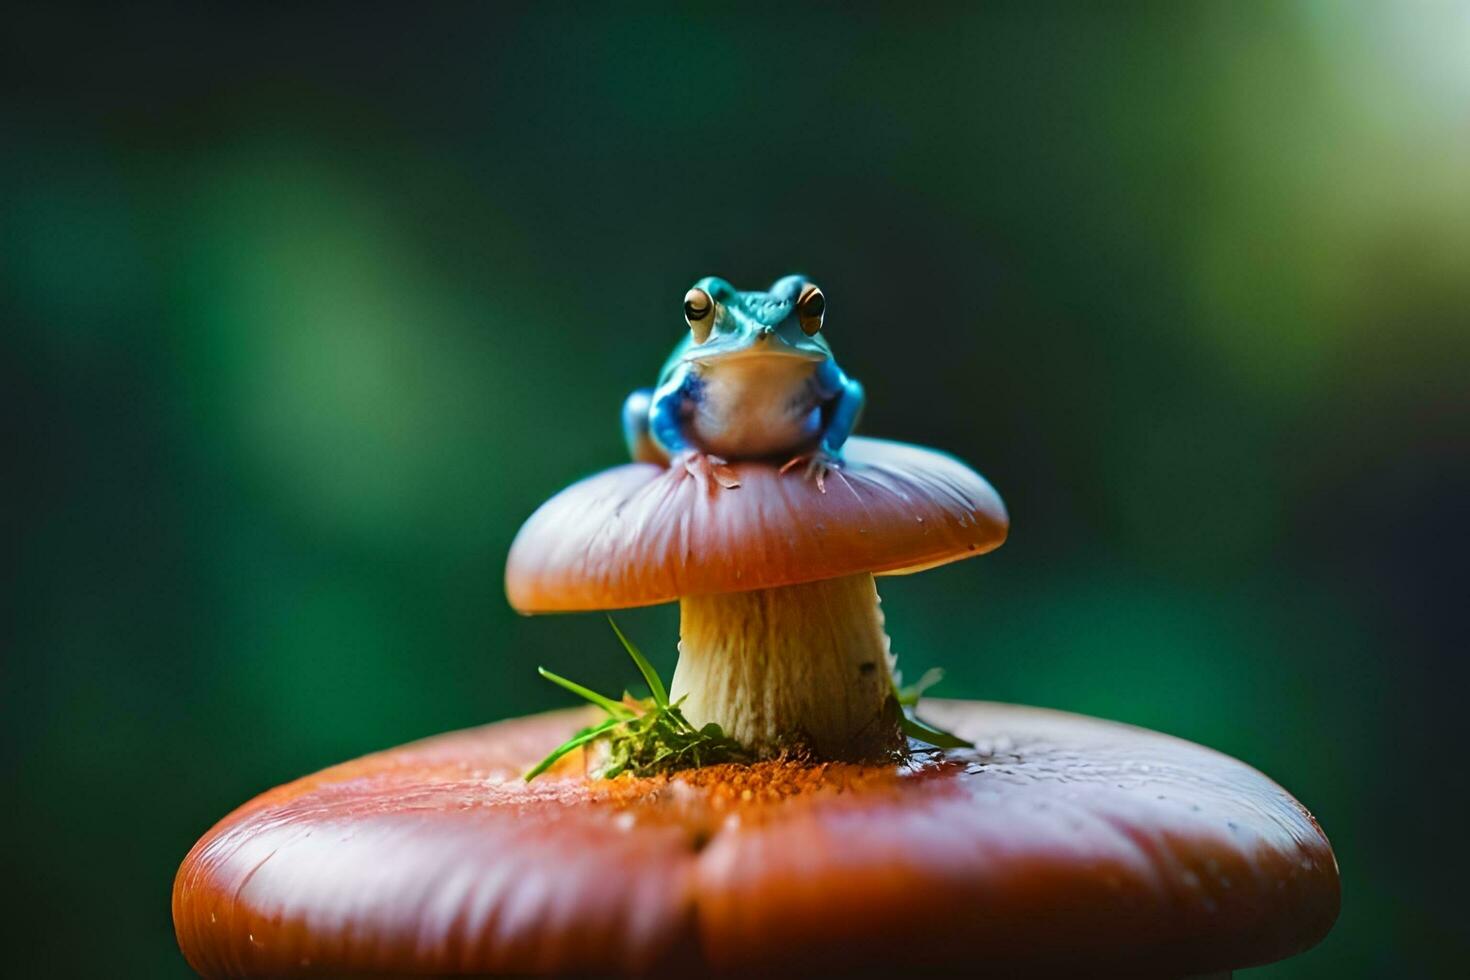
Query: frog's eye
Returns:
{"type": "Point", "coordinates": [699, 310]}
{"type": "Point", "coordinates": [810, 307]}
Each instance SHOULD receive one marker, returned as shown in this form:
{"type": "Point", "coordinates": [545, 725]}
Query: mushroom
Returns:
{"type": "Point", "coordinates": [1059, 845]}
{"type": "Point", "coordinates": [781, 636]}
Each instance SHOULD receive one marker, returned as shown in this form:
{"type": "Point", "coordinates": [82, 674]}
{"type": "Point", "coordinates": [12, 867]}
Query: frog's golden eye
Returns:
{"type": "Point", "coordinates": [811, 305]}
{"type": "Point", "coordinates": [699, 311]}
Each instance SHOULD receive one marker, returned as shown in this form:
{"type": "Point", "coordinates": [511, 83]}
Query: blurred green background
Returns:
{"type": "Point", "coordinates": [304, 311]}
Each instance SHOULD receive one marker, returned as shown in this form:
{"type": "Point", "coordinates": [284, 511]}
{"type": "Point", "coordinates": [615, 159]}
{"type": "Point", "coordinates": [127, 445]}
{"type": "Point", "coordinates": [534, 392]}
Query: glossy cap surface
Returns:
{"type": "Point", "coordinates": [641, 534]}
{"type": "Point", "coordinates": [1060, 844]}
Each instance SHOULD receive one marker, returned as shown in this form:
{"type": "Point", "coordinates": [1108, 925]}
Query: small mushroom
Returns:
{"type": "Point", "coordinates": [781, 636]}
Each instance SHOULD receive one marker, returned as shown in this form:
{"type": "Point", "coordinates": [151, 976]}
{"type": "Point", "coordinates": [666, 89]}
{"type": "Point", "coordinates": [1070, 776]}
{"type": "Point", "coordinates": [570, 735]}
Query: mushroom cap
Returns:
{"type": "Point", "coordinates": [1060, 844]}
{"type": "Point", "coordinates": [641, 534]}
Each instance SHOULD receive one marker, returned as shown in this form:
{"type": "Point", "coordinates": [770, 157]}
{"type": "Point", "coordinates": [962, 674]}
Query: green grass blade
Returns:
{"type": "Point", "coordinates": [587, 736]}
{"type": "Point", "coordinates": [678, 718]}
{"type": "Point", "coordinates": [612, 707]}
{"type": "Point", "coordinates": [910, 694]}
{"type": "Point", "coordinates": [928, 734]}
{"type": "Point", "coordinates": [650, 676]}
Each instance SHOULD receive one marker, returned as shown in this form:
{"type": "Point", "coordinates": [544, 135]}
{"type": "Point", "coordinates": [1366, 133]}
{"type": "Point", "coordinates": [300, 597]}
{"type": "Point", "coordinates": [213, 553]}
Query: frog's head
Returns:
{"type": "Point", "coordinates": [783, 322]}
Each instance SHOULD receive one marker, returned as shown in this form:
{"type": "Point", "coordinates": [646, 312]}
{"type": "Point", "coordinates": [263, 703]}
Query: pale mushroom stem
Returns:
{"type": "Point", "coordinates": [802, 667]}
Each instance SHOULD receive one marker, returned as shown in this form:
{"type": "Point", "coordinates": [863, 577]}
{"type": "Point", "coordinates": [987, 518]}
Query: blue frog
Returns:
{"type": "Point", "coordinates": [754, 379]}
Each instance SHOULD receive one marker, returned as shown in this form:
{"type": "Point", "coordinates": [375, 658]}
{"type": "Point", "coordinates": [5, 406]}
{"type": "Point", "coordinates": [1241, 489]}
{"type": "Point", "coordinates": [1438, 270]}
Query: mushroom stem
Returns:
{"type": "Point", "coordinates": [802, 667]}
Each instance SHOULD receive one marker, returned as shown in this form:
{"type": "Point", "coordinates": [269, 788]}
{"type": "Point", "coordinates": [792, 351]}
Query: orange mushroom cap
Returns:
{"type": "Point", "coordinates": [641, 534]}
{"type": "Point", "coordinates": [1060, 845]}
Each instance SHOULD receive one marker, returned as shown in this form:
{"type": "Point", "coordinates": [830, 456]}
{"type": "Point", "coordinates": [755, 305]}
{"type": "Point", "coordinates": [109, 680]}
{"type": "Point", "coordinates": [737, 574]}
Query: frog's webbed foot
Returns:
{"type": "Point", "coordinates": [819, 463]}
{"type": "Point", "coordinates": [710, 471]}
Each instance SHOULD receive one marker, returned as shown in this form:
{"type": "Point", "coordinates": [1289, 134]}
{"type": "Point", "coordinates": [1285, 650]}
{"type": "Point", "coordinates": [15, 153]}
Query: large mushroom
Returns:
{"type": "Point", "coordinates": [1058, 846]}
{"type": "Point", "coordinates": [781, 635]}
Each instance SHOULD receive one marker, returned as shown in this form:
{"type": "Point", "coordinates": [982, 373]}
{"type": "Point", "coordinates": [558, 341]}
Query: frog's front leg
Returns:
{"type": "Point", "coordinates": [846, 409]}
{"type": "Point", "coordinates": [843, 400]}
{"type": "Point", "coordinates": [670, 407]}
{"type": "Point", "coordinates": [636, 424]}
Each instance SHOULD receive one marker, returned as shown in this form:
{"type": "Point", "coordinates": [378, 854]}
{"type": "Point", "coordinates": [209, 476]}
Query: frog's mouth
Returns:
{"type": "Point", "coordinates": [765, 347]}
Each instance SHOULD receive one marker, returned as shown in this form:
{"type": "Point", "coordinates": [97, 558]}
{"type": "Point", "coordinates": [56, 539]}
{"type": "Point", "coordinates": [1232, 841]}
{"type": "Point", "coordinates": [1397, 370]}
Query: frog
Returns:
{"type": "Point", "coordinates": [753, 379]}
